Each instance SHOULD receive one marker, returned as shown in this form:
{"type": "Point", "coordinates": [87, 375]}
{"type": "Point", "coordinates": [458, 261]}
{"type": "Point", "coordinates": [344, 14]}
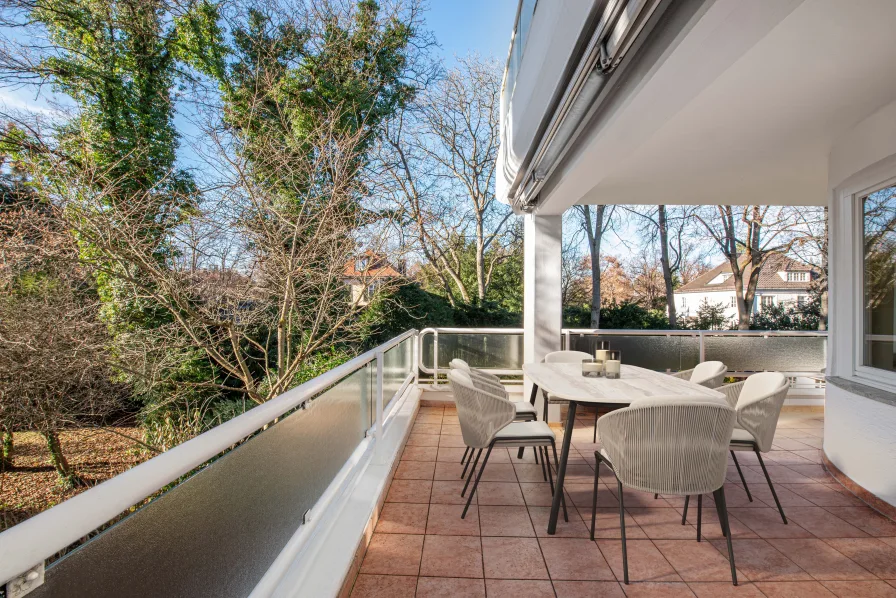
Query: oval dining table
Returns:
{"type": "Point", "coordinates": [565, 381]}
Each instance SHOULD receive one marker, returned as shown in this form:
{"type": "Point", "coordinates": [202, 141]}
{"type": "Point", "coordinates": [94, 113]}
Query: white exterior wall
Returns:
{"type": "Point", "coordinates": [686, 304]}
{"type": "Point", "coordinates": [860, 422]}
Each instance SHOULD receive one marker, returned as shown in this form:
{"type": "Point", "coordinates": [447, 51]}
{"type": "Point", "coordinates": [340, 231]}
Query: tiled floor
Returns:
{"type": "Point", "coordinates": [834, 545]}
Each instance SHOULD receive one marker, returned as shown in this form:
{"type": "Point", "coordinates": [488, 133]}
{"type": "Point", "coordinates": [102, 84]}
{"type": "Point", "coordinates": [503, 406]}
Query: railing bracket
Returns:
{"type": "Point", "coordinates": [23, 584]}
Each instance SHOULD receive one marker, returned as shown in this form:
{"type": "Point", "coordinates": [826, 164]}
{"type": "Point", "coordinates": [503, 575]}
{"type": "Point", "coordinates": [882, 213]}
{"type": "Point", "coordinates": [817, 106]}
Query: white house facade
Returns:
{"type": "Point", "coordinates": [782, 282]}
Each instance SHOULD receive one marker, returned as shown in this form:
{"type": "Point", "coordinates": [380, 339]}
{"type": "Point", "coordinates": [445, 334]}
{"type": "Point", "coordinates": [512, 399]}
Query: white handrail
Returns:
{"type": "Point", "coordinates": [36, 539]}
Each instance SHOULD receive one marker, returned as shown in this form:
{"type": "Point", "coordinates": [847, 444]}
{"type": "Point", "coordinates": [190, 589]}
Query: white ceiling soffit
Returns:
{"type": "Point", "coordinates": [743, 108]}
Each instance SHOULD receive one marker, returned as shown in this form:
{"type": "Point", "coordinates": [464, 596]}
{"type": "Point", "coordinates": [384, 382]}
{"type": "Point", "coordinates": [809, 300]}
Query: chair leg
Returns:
{"type": "Point", "coordinates": [544, 471]}
{"type": "Point", "coordinates": [719, 495]}
{"type": "Point", "coordinates": [476, 483]}
{"type": "Point", "coordinates": [596, 414]}
{"type": "Point", "coordinates": [741, 474]}
{"type": "Point", "coordinates": [723, 521]}
{"type": "Point", "coordinates": [684, 515]}
{"type": "Point", "coordinates": [464, 458]}
{"type": "Point", "coordinates": [622, 531]}
{"type": "Point", "coordinates": [551, 479]}
{"type": "Point", "coordinates": [535, 450]}
{"type": "Point", "coordinates": [463, 474]}
{"type": "Point", "coordinates": [472, 471]}
{"type": "Point", "coordinates": [771, 486]}
{"type": "Point", "coordinates": [594, 494]}
{"type": "Point", "coordinates": [656, 496]}
{"type": "Point", "coordinates": [532, 396]}
{"type": "Point", "coordinates": [699, 514]}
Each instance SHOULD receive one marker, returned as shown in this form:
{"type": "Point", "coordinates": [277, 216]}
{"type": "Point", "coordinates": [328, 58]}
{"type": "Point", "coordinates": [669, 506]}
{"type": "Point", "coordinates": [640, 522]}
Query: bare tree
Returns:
{"type": "Point", "coordinates": [747, 236]}
{"type": "Point", "coordinates": [440, 158]}
{"type": "Point", "coordinates": [811, 248]}
{"type": "Point", "coordinates": [595, 224]}
{"type": "Point", "coordinates": [669, 227]}
{"type": "Point", "coordinates": [648, 280]}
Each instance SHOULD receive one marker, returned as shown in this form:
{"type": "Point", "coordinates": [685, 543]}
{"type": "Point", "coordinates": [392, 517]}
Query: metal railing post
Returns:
{"type": "Point", "coordinates": [379, 404]}
{"type": "Point", "coordinates": [702, 348]}
{"type": "Point", "coordinates": [416, 359]}
{"type": "Point", "coordinates": [435, 358]}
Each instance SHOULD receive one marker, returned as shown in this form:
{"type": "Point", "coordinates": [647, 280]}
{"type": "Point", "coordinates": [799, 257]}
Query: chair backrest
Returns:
{"type": "Point", "coordinates": [710, 374]}
{"type": "Point", "coordinates": [759, 405]}
{"type": "Point", "coordinates": [567, 357]}
{"type": "Point", "coordinates": [481, 413]}
{"type": "Point", "coordinates": [481, 380]}
{"type": "Point", "coordinates": [459, 364]}
{"type": "Point", "coordinates": [669, 445]}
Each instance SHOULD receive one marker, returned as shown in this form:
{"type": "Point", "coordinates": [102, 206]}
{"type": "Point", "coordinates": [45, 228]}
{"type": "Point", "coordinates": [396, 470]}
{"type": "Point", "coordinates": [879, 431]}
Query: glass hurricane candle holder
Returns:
{"type": "Point", "coordinates": [601, 349]}
{"type": "Point", "coordinates": [592, 368]}
{"type": "Point", "coordinates": [613, 364]}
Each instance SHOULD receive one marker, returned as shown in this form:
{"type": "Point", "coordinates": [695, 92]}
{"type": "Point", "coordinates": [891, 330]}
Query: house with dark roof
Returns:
{"type": "Point", "coordinates": [365, 273]}
{"type": "Point", "coordinates": [782, 281]}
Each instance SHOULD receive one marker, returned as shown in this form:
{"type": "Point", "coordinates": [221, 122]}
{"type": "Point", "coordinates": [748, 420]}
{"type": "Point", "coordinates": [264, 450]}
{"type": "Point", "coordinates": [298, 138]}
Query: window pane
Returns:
{"type": "Point", "coordinates": [879, 236]}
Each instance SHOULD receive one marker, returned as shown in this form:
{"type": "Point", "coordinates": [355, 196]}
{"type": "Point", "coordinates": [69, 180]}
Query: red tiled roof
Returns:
{"type": "Point", "coordinates": [377, 267]}
{"type": "Point", "coordinates": [768, 276]}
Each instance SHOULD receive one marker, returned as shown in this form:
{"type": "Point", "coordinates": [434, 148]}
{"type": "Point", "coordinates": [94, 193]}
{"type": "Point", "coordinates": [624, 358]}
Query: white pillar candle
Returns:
{"type": "Point", "coordinates": [592, 367]}
{"type": "Point", "coordinates": [614, 366]}
{"type": "Point", "coordinates": [601, 354]}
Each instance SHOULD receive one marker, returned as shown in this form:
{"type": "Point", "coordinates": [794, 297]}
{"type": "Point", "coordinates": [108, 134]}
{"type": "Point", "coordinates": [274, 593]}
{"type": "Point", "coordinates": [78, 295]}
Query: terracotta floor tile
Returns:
{"type": "Point", "coordinates": [781, 474]}
{"type": "Point", "coordinates": [799, 589]}
{"type": "Point", "coordinates": [398, 518]}
{"type": "Point", "coordinates": [428, 418]}
{"type": "Point", "coordinates": [450, 454]}
{"type": "Point", "coordinates": [866, 519]}
{"type": "Point", "coordinates": [505, 588]}
{"type": "Point", "coordinates": [384, 586]}
{"type": "Point", "coordinates": [574, 528]}
{"type": "Point", "coordinates": [588, 589]}
{"type": "Point", "coordinates": [409, 491]}
{"type": "Point", "coordinates": [663, 523]}
{"type": "Point", "coordinates": [513, 558]}
{"type": "Point", "coordinates": [657, 590]}
{"type": "Point", "coordinates": [451, 556]}
{"type": "Point", "coordinates": [575, 559]}
{"type": "Point", "coordinates": [645, 562]}
{"type": "Point", "coordinates": [768, 524]}
{"type": "Point", "coordinates": [423, 440]}
{"type": "Point", "coordinates": [500, 493]}
{"type": "Point", "coordinates": [582, 495]}
{"type": "Point", "coordinates": [787, 497]}
{"type": "Point", "coordinates": [498, 472]}
{"type": "Point", "coordinates": [505, 521]}
{"type": "Point", "coordinates": [606, 525]}
{"type": "Point", "coordinates": [451, 428]}
{"type": "Point", "coordinates": [445, 520]}
{"type": "Point", "coordinates": [861, 589]}
{"type": "Point", "coordinates": [444, 587]}
{"type": "Point", "coordinates": [500, 455]}
{"type": "Point", "coordinates": [789, 444]}
{"type": "Point", "coordinates": [528, 472]}
{"type": "Point", "coordinates": [695, 561]}
{"type": "Point", "coordinates": [784, 457]}
{"type": "Point", "coordinates": [393, 554]}
{"type": "Point", "coordinates": [813, 471]}
{"type": "Point", "coordinates": [721, 589]}
{"type": "Point", "coordinates": [451, 470]}
{"type": "Point", "coordinates": [820, 560]}
{"type": "Point", "coordinates": [537, 495]}
{"type": "Point", "coordinates": [452, 441]}
{"type": "Point", "coordinates": [812, 454]}
{"type": "Point", "coordinates": [426, 429]}
{"type": "Point", "coordinates": [872, 554]}
{"type": "Point", "coordinates": [822, 523]}
{"type": "Point", "coordinates": [712, 529]}
{"type": "Point", "coordinates": [414, 470]}
{"type": "Point", "coordinates": [760, 561]}
{"type": "Point", "coordinates": [826, 495]}
{"type": "Point", "coordinates": [448, 493]}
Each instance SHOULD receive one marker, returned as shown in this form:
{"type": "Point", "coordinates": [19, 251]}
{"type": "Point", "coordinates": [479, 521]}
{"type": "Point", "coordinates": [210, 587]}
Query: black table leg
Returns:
{"type": "Point", "coordinates": [561, 469]}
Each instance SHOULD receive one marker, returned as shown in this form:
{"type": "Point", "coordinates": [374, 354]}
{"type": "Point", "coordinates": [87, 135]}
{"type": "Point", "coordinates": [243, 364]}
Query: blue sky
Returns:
{"type": "Point", "coordinates": [463, 26]}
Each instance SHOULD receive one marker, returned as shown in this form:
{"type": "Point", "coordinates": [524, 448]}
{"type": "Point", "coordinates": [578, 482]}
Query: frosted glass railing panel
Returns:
{"type": "Point", "coordinates": [481, 350]}
{"type": "Point", "coordinates": [217, 533]}
{"type": "Point", "coordinates": [756, 353]}
{"type": "Point", "coordinates": [658, 353]}
{"type": "Point", "coordinates": [398, 362]}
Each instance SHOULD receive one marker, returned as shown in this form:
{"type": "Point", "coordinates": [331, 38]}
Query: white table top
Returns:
{"type": "Point", "coordinates": [565, 381]}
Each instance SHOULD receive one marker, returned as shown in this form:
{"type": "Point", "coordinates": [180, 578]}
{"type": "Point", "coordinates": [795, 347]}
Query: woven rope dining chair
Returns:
{"type": "Point", "coordinates": [668, 446]}
{"type": "Point", "coordinates": [491, 383]}
{"type": "Point", "coordinates": [758, 401]}
{"type": "Point", "coordinates": [710, 374]}
{"type": "Point", "coordinates": [486, 422]}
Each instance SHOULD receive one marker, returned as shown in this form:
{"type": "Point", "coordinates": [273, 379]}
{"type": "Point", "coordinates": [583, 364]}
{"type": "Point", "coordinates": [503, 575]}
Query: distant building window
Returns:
{"type": "Point", "coordinates": [362, 264]}
{"type": "Point", "coordinates": [767, 300]}
{"type": "Point", "coordinates": [720, 278]}
{"type": "Point", "coordinates": [732, 302]}
{"type": "Point", "coordinates": [802, 300]}
{"type": "Point", "coordinates": [797, 277]}
{"type": "Point", "coordinates": [684, 302]}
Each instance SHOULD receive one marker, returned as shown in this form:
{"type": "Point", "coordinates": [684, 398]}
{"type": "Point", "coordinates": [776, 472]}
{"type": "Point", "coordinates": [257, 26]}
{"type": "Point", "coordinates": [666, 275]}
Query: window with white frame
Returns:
{"type": "Point", "coordinates": [879, 279]}
{"type": "Point", "coordinates": [732, 301]}
{"type": "Point", "coordinates": [797, 277]}
{"type": "Point", "coordinates": [802, 300]}
{"type": "Point", "coordinates": [767, 300]}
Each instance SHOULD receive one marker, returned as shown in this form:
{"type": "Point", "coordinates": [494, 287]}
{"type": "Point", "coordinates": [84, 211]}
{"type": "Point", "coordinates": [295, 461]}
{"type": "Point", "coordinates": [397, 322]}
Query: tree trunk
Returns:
{"type": "Point", "coordinates": [6, 450]}
{"type": "Point", "coordinates": [595, 231]}
{"type": "Point", "coordinates": [480, 260]}
{"type": "Point", "coordinates": [667, 269]}
{"type": "Point", "coordinates": [823, 299]}
{"type": "Point", "coordinates": [595, 291]}
{"type": "Point", "coordinates": [66, 475]}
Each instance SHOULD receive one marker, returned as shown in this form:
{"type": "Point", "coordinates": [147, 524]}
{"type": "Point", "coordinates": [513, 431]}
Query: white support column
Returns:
{"type": "Point", "coordinates": [542, 309]}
